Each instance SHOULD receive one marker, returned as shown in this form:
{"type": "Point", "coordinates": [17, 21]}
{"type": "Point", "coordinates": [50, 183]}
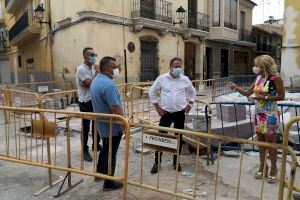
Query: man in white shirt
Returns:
{"type": "Point", "coordinates": [174, 89]}
{"type": "Point", "coordinates": [85, 73]}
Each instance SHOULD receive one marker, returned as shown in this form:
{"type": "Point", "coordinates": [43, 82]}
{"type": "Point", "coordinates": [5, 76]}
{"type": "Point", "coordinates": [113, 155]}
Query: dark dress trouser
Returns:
{"type": "Point", "coordinates": [87, 107]}
{"type": "Point", "coordinates": [102, 166]}
{"type": "Point", "coordinates": [166, 120]}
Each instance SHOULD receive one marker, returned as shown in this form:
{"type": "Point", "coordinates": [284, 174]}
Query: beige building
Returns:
{"type": "Point", "coordinates": [229, 46]}
{"type": "Point", "coordinates": [141, 34]}
{"type": "Point", "coordinates": [290, 62]}
{"type": "Point", "coordinates": [268, 38]}
{"type": "Point", "coordinates": [214, 40]}
{"type": "Point", "coordinates": [29, 40]}
{"type": "Point", "coordinates": [142, 28]}
{"type": "Point", "coordinates": [5, 76]}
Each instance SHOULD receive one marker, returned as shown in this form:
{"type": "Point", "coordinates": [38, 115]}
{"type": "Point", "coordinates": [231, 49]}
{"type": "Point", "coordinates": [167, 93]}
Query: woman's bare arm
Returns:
{"type": "Point", "coordinates": [237, 88]}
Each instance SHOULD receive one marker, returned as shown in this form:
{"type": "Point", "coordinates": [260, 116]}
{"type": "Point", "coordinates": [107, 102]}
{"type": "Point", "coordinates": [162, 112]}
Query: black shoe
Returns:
{"type": "Point", "coordinates": [179, 167]}
{"type": "Point", "coordinates": [154, 168]}
{"type": "Point", "coordinates": [87, 157]}
{"type": "Point", "coordinates": [111, 185]}
{"type": "Point", "coordinates": [99, 147]}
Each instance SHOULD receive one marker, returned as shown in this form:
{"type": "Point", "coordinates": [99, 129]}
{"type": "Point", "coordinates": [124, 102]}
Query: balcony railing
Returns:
{"type": "Point", "coordinates": [198, 20]}
{"type": "Point", "coordinates": [158, 10]}
{"type": "Point", "coordinates": [229, 24]}
{"type": "Point", "coordinates": [245, 35]}
{"type": "Point", "coordinates": [26, 21]}
{"type": "Point", "coordinates": [265, 47]}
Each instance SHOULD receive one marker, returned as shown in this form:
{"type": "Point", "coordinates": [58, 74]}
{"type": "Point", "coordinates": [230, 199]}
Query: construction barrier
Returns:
{"type": "Point", "coordinates": [124, 90]}
{"type": "Point", "coordinates": [44, 87]}
{"type": "Point", "coordinates": [153, 138]}
{"type": "Point", "coordinates": [221, 88]}
{"type": "Point", "coordinates": [290, 182]}
{"type": "Point", "coordinates": [198, 119]}
{"type": "Point", "coordinates": [28, 136]}
{"type": "Point", "coordinates": [205, 88]}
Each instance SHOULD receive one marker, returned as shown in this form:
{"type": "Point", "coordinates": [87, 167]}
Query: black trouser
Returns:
{"type": "Point", "coordinates": [102, 166]}
{"type": "Point", "coordinates": [87, 107]}
{"type": "Point", "coordinates": [166, 120]}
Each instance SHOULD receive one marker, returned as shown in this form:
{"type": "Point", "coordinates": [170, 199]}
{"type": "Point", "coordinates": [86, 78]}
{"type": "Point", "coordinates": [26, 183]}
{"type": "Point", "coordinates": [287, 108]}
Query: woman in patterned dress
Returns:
{"type": "Point", "coordinates": [268, 89]}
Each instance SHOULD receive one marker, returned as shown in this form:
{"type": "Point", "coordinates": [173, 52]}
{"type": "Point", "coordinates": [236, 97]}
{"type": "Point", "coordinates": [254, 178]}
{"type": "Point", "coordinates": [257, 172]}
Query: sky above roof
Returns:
{"type": "Point", "coordinates": [266, 8]}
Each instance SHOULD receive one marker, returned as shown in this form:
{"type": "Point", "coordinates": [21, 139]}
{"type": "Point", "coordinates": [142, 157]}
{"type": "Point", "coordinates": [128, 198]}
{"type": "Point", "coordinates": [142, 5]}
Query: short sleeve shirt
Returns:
{"type": "Point", "coordinates": [84, 72]}
{"type": "Point", "coordinates": [105, 95]}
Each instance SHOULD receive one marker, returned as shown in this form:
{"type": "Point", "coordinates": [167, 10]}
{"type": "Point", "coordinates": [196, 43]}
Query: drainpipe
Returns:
{"type": "Point", "coordinates": [125, 52]}
{"type": "Point", "coordinates": [50, 39]}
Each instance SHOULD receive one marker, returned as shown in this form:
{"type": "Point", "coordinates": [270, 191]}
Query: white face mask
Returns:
{"type": "Point", "coordinates": [116, 72]}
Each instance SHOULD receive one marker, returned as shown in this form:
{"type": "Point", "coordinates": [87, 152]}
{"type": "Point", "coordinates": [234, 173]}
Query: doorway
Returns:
{"type": "Point", "coordinates": [207, 71]}
{"type": "Point", "coordinates": [190, 60]}
{"type": "Point", "coordinates": [4, 71]}
{"type": "Point", "coordinates": [149, 67]}
{"type": "Point", "coordinates": [241, 61]}
{"type": "Point", "coordinates": [224, 63]}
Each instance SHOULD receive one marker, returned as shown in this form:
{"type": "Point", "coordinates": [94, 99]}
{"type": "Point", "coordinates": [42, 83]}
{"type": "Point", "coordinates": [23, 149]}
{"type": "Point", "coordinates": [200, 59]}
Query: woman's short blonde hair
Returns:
{"type": "Point", "coordinates": [268, 64]}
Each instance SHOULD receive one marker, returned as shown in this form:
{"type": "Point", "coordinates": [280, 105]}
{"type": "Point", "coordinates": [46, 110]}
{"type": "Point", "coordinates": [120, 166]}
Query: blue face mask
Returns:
{"type": "Point", "coordinates": [176, 72]}
{"type": "Point", "coordinates": [92, 59]}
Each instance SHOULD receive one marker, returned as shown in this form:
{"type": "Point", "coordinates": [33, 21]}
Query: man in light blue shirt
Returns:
{"type": "Point", "coordinates": [106, 99]}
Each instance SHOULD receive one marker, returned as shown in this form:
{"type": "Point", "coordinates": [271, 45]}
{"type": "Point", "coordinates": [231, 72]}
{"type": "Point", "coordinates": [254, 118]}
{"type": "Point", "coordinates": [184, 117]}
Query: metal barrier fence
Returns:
{"type": "Point", "coordinates": [198, 119]}
{"type": "Point", "coordinates": [124, 90]}
{"type": "Point", "coordinates": [290, 183]}
{"type": "Point", "coordinates": [205, 88]}
{"type": "Point", "coordinates": [43, 87]}
{"type": "Point", "coordinates": [142, 110]}
{"type": "Point", "coordinates": [235, 119]}
{"type": "Point", "coordinates": [153, 138]}
{"type": "Point", "coordinates": [16, 96]}
{"type": "Point", "coordinates": [28, 136]}
{"type": "Point", "coordinates": [221, 88]}
{"type": "Point", "coordinates": [55, 100]}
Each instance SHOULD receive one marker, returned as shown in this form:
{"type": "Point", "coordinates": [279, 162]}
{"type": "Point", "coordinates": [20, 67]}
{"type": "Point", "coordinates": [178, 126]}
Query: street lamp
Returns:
{"type": "Point", "coordinates": [180, 13]}
{"type": "Point", "coordinates": [39, 14]}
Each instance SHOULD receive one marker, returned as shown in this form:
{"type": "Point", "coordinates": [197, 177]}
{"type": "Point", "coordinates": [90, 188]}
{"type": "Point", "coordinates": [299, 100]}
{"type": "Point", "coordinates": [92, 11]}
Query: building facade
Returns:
{"type": "Point", "coordinates": [213, 38]}
{"type": "Point", "coordinates": [268, 39]}
{"type": "Point", "coordinates": [5, 76]}
{"type": "Point", "coordinates": [29, 41]}
{"type": "Point", "coordinates": [229, 46]}
{"type": "Point", "coordinates": [139, 33]}
{"type": "Point", "coordinates": [290, 61]}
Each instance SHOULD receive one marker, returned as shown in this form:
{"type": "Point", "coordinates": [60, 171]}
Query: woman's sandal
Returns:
{"type": "Point", "coordinates": [259, 174]}
{"type": "Point", "coordinates": [272, 179]}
